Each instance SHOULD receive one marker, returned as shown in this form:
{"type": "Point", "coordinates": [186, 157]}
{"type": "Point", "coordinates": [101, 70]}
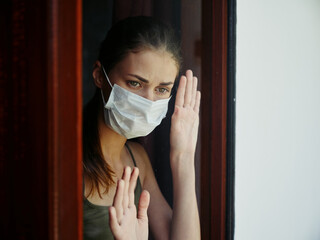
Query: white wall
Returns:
{"type": "Point", "coordinates": [277, 193]}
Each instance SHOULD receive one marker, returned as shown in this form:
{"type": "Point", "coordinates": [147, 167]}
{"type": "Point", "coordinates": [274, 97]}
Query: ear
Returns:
{"type": "Point", "coordinates": [97, 74]}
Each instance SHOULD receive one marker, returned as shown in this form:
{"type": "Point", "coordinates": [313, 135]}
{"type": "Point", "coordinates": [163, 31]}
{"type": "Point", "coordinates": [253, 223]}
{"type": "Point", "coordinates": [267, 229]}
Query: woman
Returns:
{"type": "Point", "coordinates": [138, 63]}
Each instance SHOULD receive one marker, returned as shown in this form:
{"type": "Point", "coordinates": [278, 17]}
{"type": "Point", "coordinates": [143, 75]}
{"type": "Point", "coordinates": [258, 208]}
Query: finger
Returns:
{"type": "Point", "coordinates": [113, 221]}
{"type": "Point", "coordinates": [118, 198]}
{"type": "Point", "coordinates": [181, 90]}
{"type": "Point", "coordinates": [188, 92]}
{"type": "Point", "coordinates": [197, 103]}
{"type": "Point", "coordinates": [194, 92]}
{"type": "Point", "coordinates": [126, 178]}
{"type": "Point", "coordinates": [143, 205]}
{"type": "Point", "coordinates": [132, 185]}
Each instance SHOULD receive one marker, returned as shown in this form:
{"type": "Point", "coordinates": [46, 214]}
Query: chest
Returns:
{"type": "Point", "coordinates": [106, 198]}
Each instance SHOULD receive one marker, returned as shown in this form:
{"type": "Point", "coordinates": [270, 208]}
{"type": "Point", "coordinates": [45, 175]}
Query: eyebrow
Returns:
{"type": "Point", "coordinates": [147, 81]}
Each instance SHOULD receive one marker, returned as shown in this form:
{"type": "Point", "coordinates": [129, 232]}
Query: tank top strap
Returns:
{"type": "Point", "coordinates": [131, 154]}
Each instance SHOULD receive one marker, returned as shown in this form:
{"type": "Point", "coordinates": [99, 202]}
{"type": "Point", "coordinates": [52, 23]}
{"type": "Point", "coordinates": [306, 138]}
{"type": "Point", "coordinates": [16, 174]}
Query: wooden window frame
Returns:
{"type": "Point", "coordinates": [65, 119]}
{"type": "Point", "coordinates": [218, 119]}
{"type": "Point", "coordinates": [216, 212]}
{"type": "Point", "coordinates": [63, 72]}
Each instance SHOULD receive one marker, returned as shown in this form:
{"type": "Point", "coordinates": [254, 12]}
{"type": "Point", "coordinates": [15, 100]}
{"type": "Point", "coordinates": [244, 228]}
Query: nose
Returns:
{"type": "Point", "coordinates": [148, 94]}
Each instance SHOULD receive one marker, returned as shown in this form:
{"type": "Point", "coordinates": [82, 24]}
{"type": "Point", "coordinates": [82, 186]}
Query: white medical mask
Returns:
{"type": "Point", "coordinates": [130, 114]}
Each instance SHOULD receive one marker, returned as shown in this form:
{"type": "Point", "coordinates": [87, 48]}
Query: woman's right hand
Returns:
{"type": "Point", "coordinates": [125, 223]}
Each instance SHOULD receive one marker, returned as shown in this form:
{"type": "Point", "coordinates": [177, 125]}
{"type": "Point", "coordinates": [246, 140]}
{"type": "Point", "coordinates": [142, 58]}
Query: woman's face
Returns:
{"type": "Point", "coordinates": [148, 73]}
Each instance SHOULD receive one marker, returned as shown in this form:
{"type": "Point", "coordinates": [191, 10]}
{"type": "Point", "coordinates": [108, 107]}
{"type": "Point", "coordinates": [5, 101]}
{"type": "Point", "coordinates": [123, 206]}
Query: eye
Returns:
{"type": "Point", "coordinates": [162, 90]}
{"type": "Point", "coordinates": [133, 84]}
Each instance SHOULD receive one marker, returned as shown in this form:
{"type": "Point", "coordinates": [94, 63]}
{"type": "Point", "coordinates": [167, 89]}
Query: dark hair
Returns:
{"type": "Point", "coordinates": [138, 33]}
{"type": "Point", "coordinates": [129, 35]}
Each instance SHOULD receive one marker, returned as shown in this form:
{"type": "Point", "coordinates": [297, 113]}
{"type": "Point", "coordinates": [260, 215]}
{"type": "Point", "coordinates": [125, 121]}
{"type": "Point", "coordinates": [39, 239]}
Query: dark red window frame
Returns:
{"type": "Point", "coordinates": [41, 65]}
{"type": "Point", "coordinates": [214, 119]}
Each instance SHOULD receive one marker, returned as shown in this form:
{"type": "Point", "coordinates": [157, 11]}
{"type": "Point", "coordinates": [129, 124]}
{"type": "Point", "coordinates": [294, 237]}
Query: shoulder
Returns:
{"type": "Point", "coordinates": [141, 157]}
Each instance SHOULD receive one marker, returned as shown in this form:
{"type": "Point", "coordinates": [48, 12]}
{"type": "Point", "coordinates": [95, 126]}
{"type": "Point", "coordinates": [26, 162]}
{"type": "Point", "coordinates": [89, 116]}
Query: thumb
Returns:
{"type": "Point", "coordinates": [143, 205]}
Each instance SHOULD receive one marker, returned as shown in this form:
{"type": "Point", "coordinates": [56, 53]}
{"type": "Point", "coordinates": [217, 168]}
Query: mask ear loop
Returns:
{"type": "Point", "coordinates": [106, 75]}
{"type": "Point", "coordinates": [104, 101]}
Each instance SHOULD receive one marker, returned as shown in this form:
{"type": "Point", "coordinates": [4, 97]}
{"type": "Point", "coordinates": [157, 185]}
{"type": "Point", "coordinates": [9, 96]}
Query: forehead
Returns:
{"type": "Point", "coordinates": [153, 65]}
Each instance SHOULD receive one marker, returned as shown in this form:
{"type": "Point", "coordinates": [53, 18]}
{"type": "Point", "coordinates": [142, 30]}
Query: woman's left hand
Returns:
{"type": "Point", "coordinates": [185, 119]}
{"type": "Point", "coordinates": [183, 139]}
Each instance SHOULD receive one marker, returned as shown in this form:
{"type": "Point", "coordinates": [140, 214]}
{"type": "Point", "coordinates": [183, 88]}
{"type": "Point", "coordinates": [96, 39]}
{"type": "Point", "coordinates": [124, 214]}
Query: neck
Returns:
{"type": "Point", "coordinates": [111, 142]}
